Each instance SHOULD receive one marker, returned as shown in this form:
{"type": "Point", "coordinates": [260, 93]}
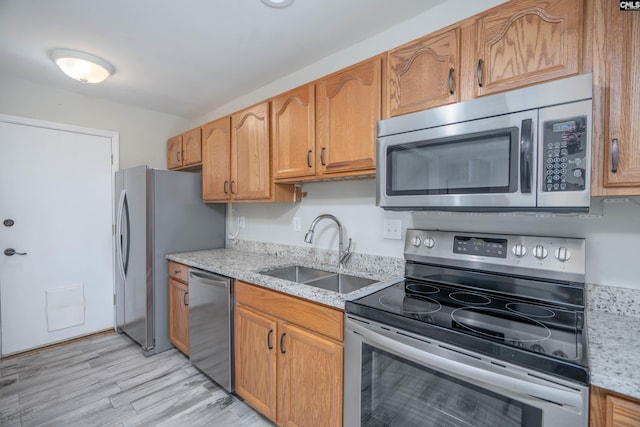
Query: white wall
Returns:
{"type": "Point", "coordinates": [612, 227]}
{"type": "Point", "coordinates": [143, 133]}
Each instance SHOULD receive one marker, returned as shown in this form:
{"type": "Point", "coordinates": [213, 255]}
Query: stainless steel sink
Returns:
{"type": "Point", "coordinates": [342, 283]}
{"type": "Point", "coordinates": [336, 282]}
{"type": "Point", "coordinates": [297, 273]}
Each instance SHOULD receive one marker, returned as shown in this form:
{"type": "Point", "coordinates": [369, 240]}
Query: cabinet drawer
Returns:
{"type": "Point", "coordinates": [179, 271]}
{"type": "Point", "coordinates": [315, 317]}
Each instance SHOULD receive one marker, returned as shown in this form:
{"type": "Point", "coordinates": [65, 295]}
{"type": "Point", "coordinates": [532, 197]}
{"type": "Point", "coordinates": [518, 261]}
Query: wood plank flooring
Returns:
{"type": "Point", "coordinates": [106, 381]}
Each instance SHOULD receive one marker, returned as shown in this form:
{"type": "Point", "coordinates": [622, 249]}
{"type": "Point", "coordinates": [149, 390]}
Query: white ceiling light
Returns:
{"type": "Point", "coordinates": [278, 3]}
{"type": "Point", "coordinates": [81, 66]}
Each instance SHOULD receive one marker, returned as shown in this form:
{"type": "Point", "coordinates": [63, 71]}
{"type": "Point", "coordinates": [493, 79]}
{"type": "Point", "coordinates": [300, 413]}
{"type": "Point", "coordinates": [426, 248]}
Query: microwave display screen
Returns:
{"type": "Point", "coordinates": [483, 162]}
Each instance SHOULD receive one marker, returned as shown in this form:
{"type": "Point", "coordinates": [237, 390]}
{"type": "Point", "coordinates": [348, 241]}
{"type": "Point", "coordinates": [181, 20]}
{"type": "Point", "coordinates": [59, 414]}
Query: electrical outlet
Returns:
{"type": "Point", "coordinates": [296, 223]}
{"type": "Point", "coordinates": [392, 229]}
{"type": "Point", "coordinates": [241, 222]}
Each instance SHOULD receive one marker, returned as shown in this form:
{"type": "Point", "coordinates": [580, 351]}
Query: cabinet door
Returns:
{"type": "Point", "coordinates": [311, 379]}
{"type": "Point", "coordinates": [526, 42]}
{"type": "Point", "coordinates": [293, 133]}
{"type": "Point", "coordinates": [192, 147]}
{"type": "Point", "coordinates": [216, 158]}
{"type": "Point", "coordinates": [250, 164]}
{"type": "Point", "coordinates": [609, 409]}
{"type": "Point", "coordinates": [424, 73]}
{"type": "Point", "coordinates": [179, 315]}
{"type": "Point", "coordinates": [256, 360]}
{"type": "Point", "coordinates": [174, 152]}
{"type": "Point", "coordinates": [348, 105]}
{"type": "Point", "coordinates": [622, 125]}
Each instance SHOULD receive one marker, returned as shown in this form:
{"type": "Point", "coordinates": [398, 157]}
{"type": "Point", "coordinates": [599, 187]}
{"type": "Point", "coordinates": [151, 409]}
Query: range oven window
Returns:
{"type": "Point", "coordinates": [398, 392]}
{"type": "Point", "coordinates": [483, 162]}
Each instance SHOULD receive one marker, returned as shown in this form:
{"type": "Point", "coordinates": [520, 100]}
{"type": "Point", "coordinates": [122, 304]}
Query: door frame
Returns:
{"type": "Point", "coordinates": [115, 165]}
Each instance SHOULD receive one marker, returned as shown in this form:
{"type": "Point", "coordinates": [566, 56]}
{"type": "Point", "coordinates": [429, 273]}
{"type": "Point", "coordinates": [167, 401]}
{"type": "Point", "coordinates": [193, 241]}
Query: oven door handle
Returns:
{"type": "Point", "coordinates": [471, 373]}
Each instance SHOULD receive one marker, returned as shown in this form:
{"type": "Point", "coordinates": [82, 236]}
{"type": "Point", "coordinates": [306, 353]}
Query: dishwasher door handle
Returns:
{"type": "Point", "coordinates": [209, 279]}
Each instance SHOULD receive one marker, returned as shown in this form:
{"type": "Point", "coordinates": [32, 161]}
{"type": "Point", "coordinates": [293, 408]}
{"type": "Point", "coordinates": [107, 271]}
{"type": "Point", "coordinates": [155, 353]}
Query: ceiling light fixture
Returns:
{"type": "Point", "coordinates": [278, 3]}
{"type": "Point", "coordinates": [81, 66]}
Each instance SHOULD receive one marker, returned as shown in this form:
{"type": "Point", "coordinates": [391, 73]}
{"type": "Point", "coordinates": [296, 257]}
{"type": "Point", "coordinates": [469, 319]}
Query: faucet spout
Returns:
{"type": "Point", "coordinates": [343, 254]}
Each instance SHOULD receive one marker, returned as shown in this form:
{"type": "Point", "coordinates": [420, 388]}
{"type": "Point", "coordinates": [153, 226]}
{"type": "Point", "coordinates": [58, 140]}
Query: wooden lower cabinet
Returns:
{"type": "Point", "coordinates": [286, 369]}
{"type": "Point", "coordinates": [610, 409]}
{"type": "Point", "coordinates": [179, 306]}
{"type": "Point", "coordinates": [256, 360]}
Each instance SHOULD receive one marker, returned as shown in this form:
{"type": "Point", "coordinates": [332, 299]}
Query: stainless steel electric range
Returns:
{"type": "Point", "coordinates": [484, 330]}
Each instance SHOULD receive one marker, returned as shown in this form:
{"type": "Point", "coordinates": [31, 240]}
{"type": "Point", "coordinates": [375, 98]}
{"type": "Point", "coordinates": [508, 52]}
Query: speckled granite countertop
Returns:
{"type": "Point", "coordinates": [614, 352]}
{"type": "Point", "coordinates": [613, 317]}
{"type": "Point", "coordinates": [245, 265]}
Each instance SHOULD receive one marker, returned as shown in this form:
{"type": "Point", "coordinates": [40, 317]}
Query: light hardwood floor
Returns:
{"type": "Point", "coordinates": [106, 381]}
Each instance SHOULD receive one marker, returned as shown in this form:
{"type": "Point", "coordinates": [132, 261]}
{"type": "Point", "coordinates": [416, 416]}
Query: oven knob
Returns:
{"type": "Point", "coordinates": [563, 254]}
{"type": "Point", "coordinates": [415, 241]}
{"type": "Point", "coordinates": [540, 252]}
{"type": "Point", "coordinates": [429, 242]}
{"type": "Point", "coordinates": [519, 250]}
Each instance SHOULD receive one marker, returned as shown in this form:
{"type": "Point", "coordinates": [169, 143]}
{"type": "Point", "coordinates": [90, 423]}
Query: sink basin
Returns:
{"type": "Point", "coordinates": [336, 282]}
{"type": "Point", "coordinates": [297, 273]}
{"type": "Point", "coordinates": [342, 283]}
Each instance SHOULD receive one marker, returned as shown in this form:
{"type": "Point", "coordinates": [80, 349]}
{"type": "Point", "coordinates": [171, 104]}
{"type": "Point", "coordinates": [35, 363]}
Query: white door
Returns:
{"type": "Point", "coordinates": [56, 187]}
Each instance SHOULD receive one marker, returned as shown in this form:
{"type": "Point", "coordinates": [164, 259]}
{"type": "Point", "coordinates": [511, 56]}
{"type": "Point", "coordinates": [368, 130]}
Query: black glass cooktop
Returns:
{"type": "Point", "coordinates": [541, 336]}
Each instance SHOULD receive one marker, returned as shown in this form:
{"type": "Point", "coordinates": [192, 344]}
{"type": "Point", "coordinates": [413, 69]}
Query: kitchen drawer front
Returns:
{"type": "Point", "coordinates": [314, 317]}
{"type": "Point", "coordinates": [179, 271]}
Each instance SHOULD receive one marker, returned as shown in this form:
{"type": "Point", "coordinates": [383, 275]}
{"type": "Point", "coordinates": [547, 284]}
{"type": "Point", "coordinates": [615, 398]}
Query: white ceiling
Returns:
{"type": "Point", "coordinates": [186, 57]}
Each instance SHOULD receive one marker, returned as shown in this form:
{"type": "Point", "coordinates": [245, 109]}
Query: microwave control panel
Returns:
{"type": "Point", "coordinates": [564, 154]}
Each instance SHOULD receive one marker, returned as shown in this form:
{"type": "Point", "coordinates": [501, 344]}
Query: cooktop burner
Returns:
{"type": "Point", "coordinates": [409, 305]}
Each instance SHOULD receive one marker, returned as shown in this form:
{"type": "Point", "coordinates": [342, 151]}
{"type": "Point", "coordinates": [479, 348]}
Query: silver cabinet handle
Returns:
{"type": "Point", "coordinates": [479, 71]}
{"type": "Point", "coordinates": [615, 155]}
{"type": "Point", "coordinates": [185, 298]}
{"type": "Point", "coordinates": [233, 187]}
{"type": "Point", "coordinates": [451, 70]}
{"type": "Point", "coordinates": [12, 252]}
{"type": "Point", "coordinates": [225, 187]}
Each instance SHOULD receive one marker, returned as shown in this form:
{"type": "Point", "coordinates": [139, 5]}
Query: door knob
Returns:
{"type": "Point", "coordinates": [12, 252]}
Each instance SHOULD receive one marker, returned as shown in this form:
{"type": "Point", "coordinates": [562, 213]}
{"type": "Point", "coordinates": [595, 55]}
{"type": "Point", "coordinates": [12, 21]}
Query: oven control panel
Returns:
{"type": "Point", "coordinates": [540, 256]}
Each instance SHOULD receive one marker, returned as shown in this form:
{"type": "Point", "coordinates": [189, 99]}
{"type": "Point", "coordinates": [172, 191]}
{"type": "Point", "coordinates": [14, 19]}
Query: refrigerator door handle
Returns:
{"type": "Point", "coordinates": [122, 255]}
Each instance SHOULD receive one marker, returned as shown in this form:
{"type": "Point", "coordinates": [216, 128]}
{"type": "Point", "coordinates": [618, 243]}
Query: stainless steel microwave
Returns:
{"type": "Point", "coordinates": [527, 149]}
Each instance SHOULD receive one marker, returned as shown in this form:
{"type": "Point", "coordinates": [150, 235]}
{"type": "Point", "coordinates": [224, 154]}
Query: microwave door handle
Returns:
{"type": "Point", "coordinates": [526, 155]}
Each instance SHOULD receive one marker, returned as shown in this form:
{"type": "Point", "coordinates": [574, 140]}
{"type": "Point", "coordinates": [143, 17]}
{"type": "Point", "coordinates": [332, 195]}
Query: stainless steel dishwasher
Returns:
{"type": "Point", "coordinates": [211, 301]}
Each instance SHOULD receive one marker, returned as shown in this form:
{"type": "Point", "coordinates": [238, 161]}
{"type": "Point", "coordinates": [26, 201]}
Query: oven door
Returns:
{"type": "Point", "coordinates": [482, 164]}
{"type": "Point", "coordinates": [394, 378]}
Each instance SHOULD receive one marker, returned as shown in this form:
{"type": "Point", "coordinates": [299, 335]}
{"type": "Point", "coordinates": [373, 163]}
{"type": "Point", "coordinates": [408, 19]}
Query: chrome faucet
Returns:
{"type": "Point", "coordinates": [343, 254]}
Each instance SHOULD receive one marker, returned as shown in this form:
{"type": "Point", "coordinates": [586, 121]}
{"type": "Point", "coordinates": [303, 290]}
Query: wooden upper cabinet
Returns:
{"type": "Point", "coordinates": [293, 133]}
{"type": "Point", "coordinates": [348, 105]}
{"type": "Point", "coordinates": [216, 153]}
{"type": "Point", "coordinates": [185, 150]}
{"type": "Point", "coordinates": [250, 164]}
{"type": "Point", "coordinates": [424, 73]}
{"type": "Point", "coordinates": [174, 152]}
{"type": "Point", "coordinates": [622, 108]}
{"type": "Point", "coordinates": [524, 42]}
{"type": "Point", "coordinates": [192, 147]}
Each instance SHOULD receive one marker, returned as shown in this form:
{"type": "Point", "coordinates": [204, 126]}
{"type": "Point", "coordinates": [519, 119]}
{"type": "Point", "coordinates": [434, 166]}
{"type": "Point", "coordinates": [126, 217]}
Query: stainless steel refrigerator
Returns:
{"type": "Point", "coordinates": [157, 212]}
